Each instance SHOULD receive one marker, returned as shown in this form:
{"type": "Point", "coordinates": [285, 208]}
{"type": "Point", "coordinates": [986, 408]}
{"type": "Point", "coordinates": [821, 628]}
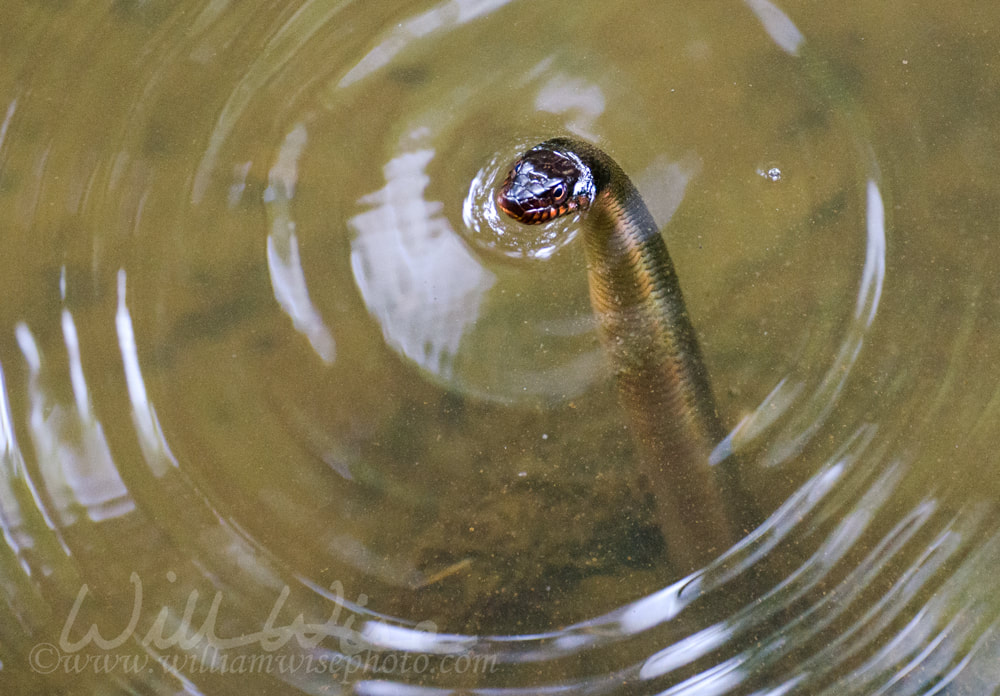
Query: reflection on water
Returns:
{"type": "Point", "coordinates": [283, 259]}
{"type": "Point", "coordinates": [423, 287]}
{"type": "Point", "coordinates": [155, 449]}
{"type": "Point", "coordinates": [286, 407]}
{"type": "Point", "coordinates": [74, 461]}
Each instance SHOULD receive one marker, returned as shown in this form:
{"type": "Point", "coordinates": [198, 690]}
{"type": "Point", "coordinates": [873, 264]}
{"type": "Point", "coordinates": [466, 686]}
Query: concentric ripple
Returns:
{"type": "Point", "coordinates": [286, 407]}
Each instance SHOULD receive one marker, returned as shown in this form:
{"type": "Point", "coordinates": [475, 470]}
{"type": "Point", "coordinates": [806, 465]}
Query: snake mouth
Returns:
{"type": "Point", "coordinates": [526, 213]}
{"type": "Point", "coordinates": [518, 210]}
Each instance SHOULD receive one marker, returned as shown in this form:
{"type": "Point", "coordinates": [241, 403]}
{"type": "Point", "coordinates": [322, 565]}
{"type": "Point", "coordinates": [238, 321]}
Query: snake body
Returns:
{"type": "Point", "coordinates": [644, 326]}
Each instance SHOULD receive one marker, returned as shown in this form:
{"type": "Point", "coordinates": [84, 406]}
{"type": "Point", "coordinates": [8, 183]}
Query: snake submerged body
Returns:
{"type": "Point", "coordinates": [645, 329]}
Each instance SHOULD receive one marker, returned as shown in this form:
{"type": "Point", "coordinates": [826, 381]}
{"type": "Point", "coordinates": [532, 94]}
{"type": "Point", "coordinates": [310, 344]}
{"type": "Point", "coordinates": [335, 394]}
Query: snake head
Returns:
{"type": "Point", "coordinates": [546, 182]}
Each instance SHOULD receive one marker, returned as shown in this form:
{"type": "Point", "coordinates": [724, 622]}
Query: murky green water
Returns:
{"type": "Point", "coordinates": [287, 408]}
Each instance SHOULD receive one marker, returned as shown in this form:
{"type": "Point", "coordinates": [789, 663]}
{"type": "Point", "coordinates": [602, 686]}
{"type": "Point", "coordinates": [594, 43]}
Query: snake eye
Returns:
{"type": "Point", "coordinates": [559, 192]}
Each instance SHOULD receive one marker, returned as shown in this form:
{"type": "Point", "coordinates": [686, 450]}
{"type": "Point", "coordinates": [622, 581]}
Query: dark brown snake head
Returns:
{"type": "Point", "coordinates": [545, 182]}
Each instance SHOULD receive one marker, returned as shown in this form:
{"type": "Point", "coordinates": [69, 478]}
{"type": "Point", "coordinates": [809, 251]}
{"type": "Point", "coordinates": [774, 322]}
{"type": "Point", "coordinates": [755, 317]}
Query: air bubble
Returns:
{"type": "Point", "coordinates": [771, 173]}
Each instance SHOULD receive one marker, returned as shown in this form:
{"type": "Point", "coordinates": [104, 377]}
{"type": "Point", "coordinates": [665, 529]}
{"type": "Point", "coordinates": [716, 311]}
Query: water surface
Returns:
{"type": "Point", "coordinates": [268, 352]}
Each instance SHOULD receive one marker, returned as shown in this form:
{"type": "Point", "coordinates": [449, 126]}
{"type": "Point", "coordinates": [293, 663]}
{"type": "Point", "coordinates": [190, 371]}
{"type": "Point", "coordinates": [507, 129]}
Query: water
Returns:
{"type": "Point", "coordinates": [268, 352]}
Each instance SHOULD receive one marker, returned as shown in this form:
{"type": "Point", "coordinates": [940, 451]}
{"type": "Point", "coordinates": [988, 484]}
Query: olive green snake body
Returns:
{"type": "Point", "coordinates": [644, 326]}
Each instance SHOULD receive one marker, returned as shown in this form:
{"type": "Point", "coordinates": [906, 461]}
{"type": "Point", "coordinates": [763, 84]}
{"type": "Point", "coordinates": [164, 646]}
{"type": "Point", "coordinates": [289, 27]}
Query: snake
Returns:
{"type": "Point", "coordinates": [647, 335]}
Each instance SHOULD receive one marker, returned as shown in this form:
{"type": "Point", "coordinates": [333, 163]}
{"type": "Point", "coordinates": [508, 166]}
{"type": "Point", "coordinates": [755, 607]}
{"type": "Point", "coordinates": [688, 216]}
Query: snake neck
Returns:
{"type": "Point", "coordinates": [644, 326]}
{"type": "Point", "coordinates": [659, 370]}
{"type": "Point", "coordinates": [643, 319]}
